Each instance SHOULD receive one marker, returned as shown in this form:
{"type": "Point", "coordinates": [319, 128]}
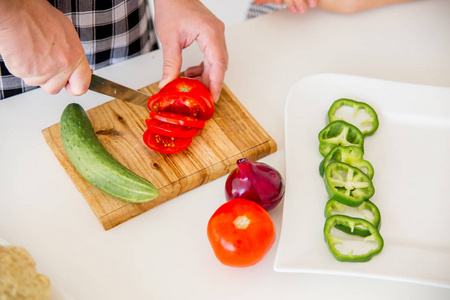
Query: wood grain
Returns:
{"type": "Point", "coordinates": [231, 134]}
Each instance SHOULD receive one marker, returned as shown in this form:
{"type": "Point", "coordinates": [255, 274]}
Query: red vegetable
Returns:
{"type": "Point", "coordinates": [255, 181]}
{"type": "Point", "coordinates": [184, 96]}
{"type": "Point", "coordinates": [177, 113]}
{"type": "Point", "coordinates": [170, 130]}
{"type": "Point", "coordinates": [177, 119]}
{"type": "Point", "coordinates": [241, 233]}
{"type": "Point", "coordinates": [165, 144]}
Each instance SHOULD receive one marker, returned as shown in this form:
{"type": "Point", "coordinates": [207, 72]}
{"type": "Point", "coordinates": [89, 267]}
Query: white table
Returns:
{"type": "Point", "coordinates": [164, 253]}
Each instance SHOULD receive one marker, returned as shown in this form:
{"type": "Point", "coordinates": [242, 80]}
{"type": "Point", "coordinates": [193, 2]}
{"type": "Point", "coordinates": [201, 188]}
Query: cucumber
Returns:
{"type": "Point", "coordinates": [96, 164]}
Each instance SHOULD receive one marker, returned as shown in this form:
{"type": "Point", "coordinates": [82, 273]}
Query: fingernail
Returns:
{"type": "Point", "coordinates": [293, 9]}
{"type": "Point", "coordinates": [162, 82]}
{"type": "Point", "coordinates": [302, 9]}
{"type": "Point", "coordinates": [312, 3]}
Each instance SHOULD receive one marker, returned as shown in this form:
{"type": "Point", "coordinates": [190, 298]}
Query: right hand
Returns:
{"type": "Point", "coordinates": [39, 44]}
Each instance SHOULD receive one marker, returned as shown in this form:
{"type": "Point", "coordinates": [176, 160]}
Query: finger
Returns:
{"type": "Point", "coordinates": [291, 6]}
{"type": "Point", "coordinates": [312, 3]}
{"type": "Point", "coordinates": [172, 62]}
{"type": "Point", "coordinates": [195, 71]}
{"type": "Point", "coordinates": [79, 80]}
{"type": "Point", "coordinates": [300, 6]}
{"type": "Point", "coordinates": [55, 84]}
{"type": "Point", "coordinates": [215, 64]}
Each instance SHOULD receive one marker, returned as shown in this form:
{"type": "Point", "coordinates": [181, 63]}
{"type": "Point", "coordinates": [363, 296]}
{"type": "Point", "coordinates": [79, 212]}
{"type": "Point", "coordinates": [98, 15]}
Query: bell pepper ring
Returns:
{"type": "Point", "coordinates": [350, 155]}
{"type": "Point", "coordinates": [333, 241]}
{"type": "Point", "coordinates": [362, 116]}
{"type": "Point", "coordinates": [347, 185]}
{"type": "Point", "coordinates": [339, 133]}
{"type": "Point", "coordinates": [335, 208]}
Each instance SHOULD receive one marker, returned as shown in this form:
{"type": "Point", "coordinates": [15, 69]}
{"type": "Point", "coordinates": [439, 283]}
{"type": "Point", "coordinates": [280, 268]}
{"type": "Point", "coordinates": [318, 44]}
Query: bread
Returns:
{"type": "Point", "coordinates": [19, 279]}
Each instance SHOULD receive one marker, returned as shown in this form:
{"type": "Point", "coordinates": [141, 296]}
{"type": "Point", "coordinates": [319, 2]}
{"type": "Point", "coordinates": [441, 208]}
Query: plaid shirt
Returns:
{"type": "Point", "coordinates": [110, 31]}
{"type": "Point", "coordinates": [262, 9]}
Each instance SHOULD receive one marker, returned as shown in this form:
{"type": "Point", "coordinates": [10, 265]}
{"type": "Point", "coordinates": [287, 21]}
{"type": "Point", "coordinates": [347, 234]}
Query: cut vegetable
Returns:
{"type": "Point", "coordinates": [350, 155]}
{"type": "Point", "coordinates": [339, 133]}
{"type": "Point", "coordinates": [347, 185]}
{"type": "Point", "coordinates": [351, 255]}
{"type": "Point", "coordinates": [360, 114]}
{"type": "Point", "coordinates": [367, 211]}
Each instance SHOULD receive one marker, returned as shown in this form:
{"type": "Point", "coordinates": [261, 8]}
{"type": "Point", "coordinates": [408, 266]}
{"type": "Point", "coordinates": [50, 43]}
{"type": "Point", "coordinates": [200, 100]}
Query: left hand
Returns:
{"type": "Point", "coordinates": [178, 24]}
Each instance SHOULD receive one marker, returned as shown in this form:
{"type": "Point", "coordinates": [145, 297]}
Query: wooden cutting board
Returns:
{"type": "Point", "coordinates": [231, 134]}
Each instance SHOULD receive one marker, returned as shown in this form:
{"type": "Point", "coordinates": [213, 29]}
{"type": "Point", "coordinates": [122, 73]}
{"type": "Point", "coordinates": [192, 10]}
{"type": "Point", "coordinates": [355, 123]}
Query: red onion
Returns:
{"type": "Point", "coordinates": [257, 182]}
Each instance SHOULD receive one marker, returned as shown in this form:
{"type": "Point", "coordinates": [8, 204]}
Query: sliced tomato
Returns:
{"type": "Point", "coordinates": [165, 144]}
{"type": "Point", "coordinates": [189, 85]}
{"type": "Point", "coordinates": [171, 130]}
{"type": "Point", "coordinates": [184, 96]}
{"type": "Point", "coordinates": [177, 119]}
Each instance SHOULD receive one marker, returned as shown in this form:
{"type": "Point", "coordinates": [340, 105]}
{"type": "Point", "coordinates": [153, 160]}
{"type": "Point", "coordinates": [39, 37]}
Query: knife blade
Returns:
{"type": "Point", "coordinates": [113, 89]}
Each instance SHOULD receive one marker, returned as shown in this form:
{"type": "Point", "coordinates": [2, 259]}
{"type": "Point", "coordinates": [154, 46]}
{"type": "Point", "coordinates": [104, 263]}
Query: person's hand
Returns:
{"type": "Point", "coordinates": [336, 6]}
{"type": "Point", "coordinates": [295, 6]}
{"type": "Point", "coordinates": [39, 44]}
{"type": "Point", "coordinates": [178, 24]}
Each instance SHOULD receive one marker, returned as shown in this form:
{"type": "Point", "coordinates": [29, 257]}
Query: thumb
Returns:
{"type": "Point", "coordinates": [172, 62]}
{"type": "Point", "coordinates": [80, 79]}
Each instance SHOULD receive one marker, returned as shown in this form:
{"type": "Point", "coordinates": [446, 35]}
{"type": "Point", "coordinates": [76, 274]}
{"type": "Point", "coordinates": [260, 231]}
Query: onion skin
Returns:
{"type": "Point", "coordinates": [257, 182]}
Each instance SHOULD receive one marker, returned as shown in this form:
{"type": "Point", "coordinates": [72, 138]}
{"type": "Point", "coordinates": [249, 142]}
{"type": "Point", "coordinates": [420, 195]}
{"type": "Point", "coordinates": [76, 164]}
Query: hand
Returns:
{"type": "Point", "coordinates": [40, 45]}
{"type": "Point", "coordinates": [295, 6]}
{"type": "Point", "coordinates": [336, 6]}
{"type": "Point", "coordinates": [178, 24]}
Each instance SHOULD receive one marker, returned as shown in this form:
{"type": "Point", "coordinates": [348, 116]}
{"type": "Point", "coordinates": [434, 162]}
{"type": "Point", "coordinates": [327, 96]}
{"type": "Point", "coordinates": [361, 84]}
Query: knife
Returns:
{"type": "Point", "coordinates": [107, 87]}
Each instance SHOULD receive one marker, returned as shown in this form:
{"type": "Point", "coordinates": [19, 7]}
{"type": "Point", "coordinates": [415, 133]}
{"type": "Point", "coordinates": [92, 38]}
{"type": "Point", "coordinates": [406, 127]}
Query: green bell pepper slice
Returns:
{"type": "Point", "coordinates": [350, 222]}
{"type": "Point", "coordinates": [347, 185]}
{"type": "Point", "coordinates": [367, 123]}
{"type": "Point", "coordinates": [341, 209]}
{"type": "Point", "coordinates": [339, 133]}
{"type": "Point", "coordinates": [350, 155]}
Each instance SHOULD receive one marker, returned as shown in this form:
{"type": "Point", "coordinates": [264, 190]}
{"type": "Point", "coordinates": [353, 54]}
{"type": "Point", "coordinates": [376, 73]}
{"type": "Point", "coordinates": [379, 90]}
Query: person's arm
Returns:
{"type": "Point", "coordinates": [39, 44]}
{"type": "Point", "coordinates": [178, 24]}
{"type": "Point", "coordinates": [354, 6]}
{"type": "Point", "coordinates": [337, 6]}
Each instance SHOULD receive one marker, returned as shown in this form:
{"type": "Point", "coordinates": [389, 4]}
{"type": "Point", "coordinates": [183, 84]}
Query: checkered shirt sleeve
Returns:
{"type": "Point", "coordinates": [110, 31]}
{"type": "Point", "coordinates": [262, 9]}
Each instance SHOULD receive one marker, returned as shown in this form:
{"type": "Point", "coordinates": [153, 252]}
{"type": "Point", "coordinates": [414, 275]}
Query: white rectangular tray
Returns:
{"type": "Point", "coordinates": [411, 156]}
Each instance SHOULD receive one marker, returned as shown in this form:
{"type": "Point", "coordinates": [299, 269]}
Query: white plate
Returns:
{"type": "Point", "coordinates": [411, 156]}
{"type": "Point", "coordinates": [57, 294]}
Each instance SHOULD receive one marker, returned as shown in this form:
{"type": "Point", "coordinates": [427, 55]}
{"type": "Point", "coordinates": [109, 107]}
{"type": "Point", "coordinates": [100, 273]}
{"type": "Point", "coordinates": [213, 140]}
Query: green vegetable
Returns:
{"type": "Point", "coordinates": [350, 155]}
{"type": "Point", "coordinates": [96, 164]}
{"type": "Point", "coordinates": [363, 115]}
{"type": "Point", "coordinates": [333, 206]}
{"type": "Point", "coordinates": [347, 185]}
{"type": "Point", "coordinates": [333, 241]}
{"type": "Point", "coordinates": [339, 133]}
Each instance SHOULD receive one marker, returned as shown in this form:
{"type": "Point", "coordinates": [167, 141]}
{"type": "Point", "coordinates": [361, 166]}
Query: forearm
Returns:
{"type": "Point", "coordinates": [354, 6]}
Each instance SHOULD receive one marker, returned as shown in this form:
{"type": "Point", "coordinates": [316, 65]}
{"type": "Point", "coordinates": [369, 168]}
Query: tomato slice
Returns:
{"type": "Point", "coordinates": [184, 96]}
{"type": "Point", "coordinates": [165, 144]}
{"type": "Point", "coordinates": [170, 130]}
{"type": "Point", "coordinates": [177, 119]}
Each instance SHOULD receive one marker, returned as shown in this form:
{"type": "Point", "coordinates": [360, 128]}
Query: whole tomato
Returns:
{"type": "Point", "coordinates": [241, 233]}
